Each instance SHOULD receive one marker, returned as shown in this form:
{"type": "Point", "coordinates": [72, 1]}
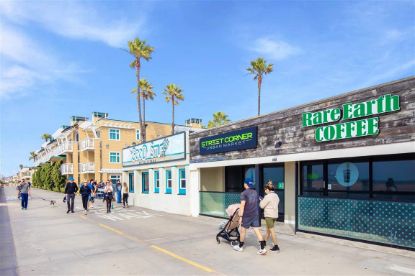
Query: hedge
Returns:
{"type": "Point", "coordinates": [48, 177]}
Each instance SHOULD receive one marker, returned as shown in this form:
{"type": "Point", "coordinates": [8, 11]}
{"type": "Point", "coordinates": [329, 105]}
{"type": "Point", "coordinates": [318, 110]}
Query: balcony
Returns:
{"type": "Point", "coordinates": [86, 144]}
{"type": "Point", "coordinates": [67, 168]}
{"type": "Point", "coordinates": [87, 167]}
{"type": "Point", "coordinates": [65, 147]}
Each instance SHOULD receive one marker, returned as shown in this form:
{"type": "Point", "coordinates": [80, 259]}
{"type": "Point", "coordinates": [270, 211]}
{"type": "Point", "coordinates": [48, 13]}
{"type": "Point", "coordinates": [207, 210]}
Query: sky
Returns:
{"type": "Point", "coordinates": [64, 58]}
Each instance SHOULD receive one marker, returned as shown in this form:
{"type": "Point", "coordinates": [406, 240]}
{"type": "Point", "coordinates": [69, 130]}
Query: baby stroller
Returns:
{"type": "Point", "coordinates": [230, 230]}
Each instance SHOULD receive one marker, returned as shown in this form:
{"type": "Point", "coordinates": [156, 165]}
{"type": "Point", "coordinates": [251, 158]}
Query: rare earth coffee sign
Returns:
{"type": "Point", "coordinates": [350, 128]}
{"type": "Point", "coordinates": [234, 140]}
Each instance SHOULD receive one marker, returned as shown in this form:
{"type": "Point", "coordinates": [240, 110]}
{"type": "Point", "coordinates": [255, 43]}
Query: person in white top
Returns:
{"type": "Point", "coordinates": [108, 193]}
{"type": "Point", "coordinates": [270, 206]}
{"type": "Point", "coordinates": [124, 191]}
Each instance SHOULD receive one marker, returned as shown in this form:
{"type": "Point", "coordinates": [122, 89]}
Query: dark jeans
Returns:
{"type": "Point", "coordinates": [70, 200]}
{"type": "Point", "coordinates": [124, 199]}
{"type": "Point", "coordinates": [25, 200]}
{"type": "Point", "coordinates": [85, 201]}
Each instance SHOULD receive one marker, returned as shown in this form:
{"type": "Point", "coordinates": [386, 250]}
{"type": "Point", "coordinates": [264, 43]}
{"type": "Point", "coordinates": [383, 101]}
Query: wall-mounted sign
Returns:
{"type": "Point", "coordinates": [230, 141]}
{"type": "Point", "coordinates": [161, 150]}
{"type": "Point", "coordinates": [351, 129]}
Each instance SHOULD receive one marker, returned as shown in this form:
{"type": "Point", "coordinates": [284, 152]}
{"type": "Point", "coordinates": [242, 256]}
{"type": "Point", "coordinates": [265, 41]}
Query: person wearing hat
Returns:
{"type": "Point", "coordinates": [249, 213]}
{"type": "Point", "coordinates": [70, 189]}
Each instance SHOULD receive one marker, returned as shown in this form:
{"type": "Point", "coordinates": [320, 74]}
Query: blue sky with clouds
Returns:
{"type": "Point", "coordinates": [63, 58]}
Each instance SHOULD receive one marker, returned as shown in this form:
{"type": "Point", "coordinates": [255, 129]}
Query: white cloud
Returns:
{"type": "Point", "coordinates": [25, 64]}
{"type": "Point", "coordinates": [273, 49]}
{"type": "Point", "coordinates": [73, 19]}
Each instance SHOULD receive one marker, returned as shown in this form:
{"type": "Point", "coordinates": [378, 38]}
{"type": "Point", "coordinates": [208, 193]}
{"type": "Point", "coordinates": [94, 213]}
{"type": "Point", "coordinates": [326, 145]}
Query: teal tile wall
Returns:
{"type": "Point", "coordinates": [386, 222]}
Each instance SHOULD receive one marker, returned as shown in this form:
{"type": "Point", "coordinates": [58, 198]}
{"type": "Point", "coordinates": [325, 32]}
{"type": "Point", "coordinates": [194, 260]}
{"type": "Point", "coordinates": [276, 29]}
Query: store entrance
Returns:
{"type": "Point", "coordinates": [275, 173]}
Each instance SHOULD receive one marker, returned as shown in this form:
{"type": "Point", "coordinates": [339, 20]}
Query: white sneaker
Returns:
{"type": "Point", "coordinates": [262, 251]}
{"type": "Point", "coordinates": [237, 248]}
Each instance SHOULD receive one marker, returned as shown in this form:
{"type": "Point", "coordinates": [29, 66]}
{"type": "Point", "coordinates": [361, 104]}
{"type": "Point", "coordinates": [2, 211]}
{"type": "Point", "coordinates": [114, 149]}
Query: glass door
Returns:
{"type": "Point", "coordinates": [275, 173]}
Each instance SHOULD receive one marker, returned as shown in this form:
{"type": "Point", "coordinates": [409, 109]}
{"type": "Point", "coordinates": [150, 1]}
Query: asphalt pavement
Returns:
{"type": "Point", "coordinates": [44, 240]}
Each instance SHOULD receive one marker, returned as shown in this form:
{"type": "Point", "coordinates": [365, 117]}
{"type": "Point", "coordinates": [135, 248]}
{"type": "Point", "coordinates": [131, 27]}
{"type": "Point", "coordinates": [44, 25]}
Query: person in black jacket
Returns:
{"type": "Point", "coordinates": [70, 189]}
{"type": "Point", "coordinates": [85, 192]}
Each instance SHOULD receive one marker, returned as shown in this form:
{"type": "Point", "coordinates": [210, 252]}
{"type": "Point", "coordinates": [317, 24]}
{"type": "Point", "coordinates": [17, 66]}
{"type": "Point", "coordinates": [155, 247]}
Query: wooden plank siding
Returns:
{"type": "Point", "coordinates": [285, 125]}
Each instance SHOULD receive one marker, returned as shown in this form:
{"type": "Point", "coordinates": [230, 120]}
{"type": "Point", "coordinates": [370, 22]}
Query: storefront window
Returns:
{"type": "Point", "coordinates": [394, 176]}
{"type": "Point", "coordinates": [236, 175]}
{"type": "Point", "coordinates": [348, 177]}
{"type": "Point", "coordinates": [376, 177]}
{"type": "Point", "coordinates": [276, 175]}
{"type": "Point", "coordinates": [313, 179]}
{"type": "Point", "coordinates": [394, 180]}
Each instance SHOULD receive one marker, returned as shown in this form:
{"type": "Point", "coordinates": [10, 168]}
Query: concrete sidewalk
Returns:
{"type": "Point", "coordinates": [140, 241]}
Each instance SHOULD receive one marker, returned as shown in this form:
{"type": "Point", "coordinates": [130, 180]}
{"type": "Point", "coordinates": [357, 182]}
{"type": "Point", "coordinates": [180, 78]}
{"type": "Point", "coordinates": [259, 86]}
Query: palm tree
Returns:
{"type": "Point", "coordinates": [139, 49]}
{"type": "Point", "coordinates": [147, 93]}
{"type": "Point", "coordinates": [20, 166]}
{"type": "Point", "coordinates": [173, 94]}
{"type": "Point", "coordinates": [259, 68]}
{"type": "Point", "coordinates": [33, 155]}
{"type": "Point", "coordinates": [46, 137]}
{"type": "Point", "coordinates": [219, 119]}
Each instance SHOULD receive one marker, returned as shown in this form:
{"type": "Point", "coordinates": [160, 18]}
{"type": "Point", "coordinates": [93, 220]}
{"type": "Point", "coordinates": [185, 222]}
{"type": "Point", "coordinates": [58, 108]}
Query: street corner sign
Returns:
{"type": "Point", "coordinates": [242, 139]}
{"type": "Point", "coordinates": [165, 149]}
{"type": "Point", "coordinates": [349, 127]}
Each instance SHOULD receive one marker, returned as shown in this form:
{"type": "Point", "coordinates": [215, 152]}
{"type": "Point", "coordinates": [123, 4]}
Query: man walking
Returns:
{"type": "Point", "coordinates": [24, 190]}
{"type": "Point", "coordinates": [70, 189]}
{"type": "Point", "coordinates": [249, 213]}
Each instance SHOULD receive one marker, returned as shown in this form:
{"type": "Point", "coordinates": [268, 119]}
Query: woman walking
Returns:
{"type": "Point", "coordinates": [124, 191]}
{"type": "Point", "coordinates": [108, 192]}
{"type": "Point", "coordinates": [270, 206]}
{"type": "Point", "coordinates": [85, 192]}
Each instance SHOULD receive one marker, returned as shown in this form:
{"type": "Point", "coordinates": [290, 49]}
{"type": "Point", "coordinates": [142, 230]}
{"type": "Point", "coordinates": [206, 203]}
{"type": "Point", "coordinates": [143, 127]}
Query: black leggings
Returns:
{"type": "Point", "coordinates": [85, 201]}
{"type": "Point", "coordinates": [124, 199]}
{"type": "Point", "coordinates": [108, 204]}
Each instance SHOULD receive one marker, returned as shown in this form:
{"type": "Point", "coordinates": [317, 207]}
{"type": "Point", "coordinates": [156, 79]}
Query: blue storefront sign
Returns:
{"type": "Point", "coordinates": [246, 138]}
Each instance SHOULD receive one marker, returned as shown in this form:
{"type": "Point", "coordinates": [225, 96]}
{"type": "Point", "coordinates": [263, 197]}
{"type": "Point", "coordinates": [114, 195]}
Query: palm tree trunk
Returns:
{"type": "Point", "coordinates": [172, 121]}
{"type": "Point", "coordinates": [140, 119]}
{"type": "Point", "coordinates": [259, 94]}
{"type": "Point", "coordinates": [144, 114]}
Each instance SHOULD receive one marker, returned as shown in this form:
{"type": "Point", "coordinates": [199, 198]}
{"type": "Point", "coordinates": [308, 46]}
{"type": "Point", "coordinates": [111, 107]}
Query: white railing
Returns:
{"type": "Point", "coordinates": [67, 168]}
{"type": "Point", "coordinates": [66, 147]}
{"type": "Point", "coordinates": [86, 144]}
{"type": "Point", "coordinates": [87, 167]}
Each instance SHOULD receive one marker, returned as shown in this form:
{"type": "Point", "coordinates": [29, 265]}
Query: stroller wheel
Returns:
{"type": "Point", "coordinates": [217, 240]}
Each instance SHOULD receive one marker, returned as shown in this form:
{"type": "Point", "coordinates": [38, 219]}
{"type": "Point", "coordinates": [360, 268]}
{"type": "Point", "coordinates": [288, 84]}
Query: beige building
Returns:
{"type": "Point", "coordinates": [92, 149]}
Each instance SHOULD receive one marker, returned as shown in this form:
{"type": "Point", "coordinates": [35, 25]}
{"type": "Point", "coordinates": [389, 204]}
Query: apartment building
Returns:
{"type": "Point", "coordinates": [92, 148]}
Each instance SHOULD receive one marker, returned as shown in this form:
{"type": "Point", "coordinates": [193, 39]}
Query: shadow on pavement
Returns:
{"type": "Point", "coordinates": [8, 262]}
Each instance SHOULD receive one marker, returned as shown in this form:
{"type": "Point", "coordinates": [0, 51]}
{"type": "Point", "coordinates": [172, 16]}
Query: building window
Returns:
{"type": "Point", "coordinates": [114, 157]}
{"type": "Point", "coordinates": [98, 133]}
{"type": "Point", "coordinates": [145, 183]}
{"type": "Point", "coordinates": [394, 180]}
{"type": "Point", "coordinates": [168, 182]}
{"type": "Point", "coordinates": [137, 135]}
{"type": "Point", "coordinates": [380, 178]}
{"type": "Point", "coordinates": [313, 179]}
{"type": "Point", "coordinates": [156, 182]}
{"type": "Point", "coordinates": [131, 182]}
{"type": "Point", "coordinates": [348, 179]}
{"type": "Point", "coordinates": [182, 181]}
{"type": "Point", "coordinates": [114, 134]}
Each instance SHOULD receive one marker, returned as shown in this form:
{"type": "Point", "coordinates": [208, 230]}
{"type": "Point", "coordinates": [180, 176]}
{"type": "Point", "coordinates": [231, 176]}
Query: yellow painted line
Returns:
{"type": "Point", "coordinates": [155, 247]}
{"type": "Point", "coordinates": [190, 262]}
{"type": "Point", "coordinates": [112, 229]}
